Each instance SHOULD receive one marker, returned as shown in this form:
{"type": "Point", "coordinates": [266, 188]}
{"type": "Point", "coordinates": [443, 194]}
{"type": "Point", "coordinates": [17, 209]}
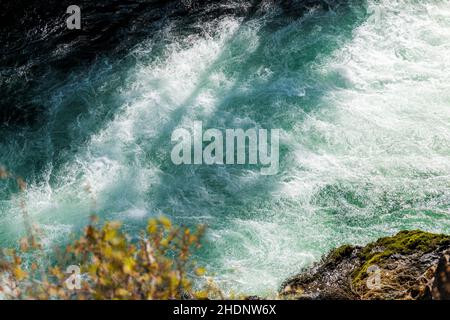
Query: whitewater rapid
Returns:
{"type": "Point", "coordinates": [360, 92]}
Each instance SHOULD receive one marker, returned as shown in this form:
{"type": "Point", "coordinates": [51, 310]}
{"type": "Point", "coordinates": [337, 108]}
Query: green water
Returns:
{"type": "Point", "coordinates": [360, 92]}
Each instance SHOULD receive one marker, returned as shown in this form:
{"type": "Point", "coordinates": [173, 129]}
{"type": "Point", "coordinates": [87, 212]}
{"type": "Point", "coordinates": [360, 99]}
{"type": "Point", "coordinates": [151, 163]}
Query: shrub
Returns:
{"type": "Point", "coordinates": [158, 265]}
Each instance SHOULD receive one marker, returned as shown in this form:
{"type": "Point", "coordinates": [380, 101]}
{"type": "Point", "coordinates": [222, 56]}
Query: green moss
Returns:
{"type": "Point", "coordinates": [343, 251]}
{"type": "Point", "coordinates": [404, 243]}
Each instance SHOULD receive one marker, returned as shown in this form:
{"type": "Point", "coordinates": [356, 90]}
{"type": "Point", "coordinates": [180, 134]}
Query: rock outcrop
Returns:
{"type": "Point", "coordinates": [441, 283]}
{"type": "Point", "coordinates": [410, 265]}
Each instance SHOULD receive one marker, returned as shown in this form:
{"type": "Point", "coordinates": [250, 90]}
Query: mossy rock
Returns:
{"type": "Point", "coordinates": [340, 253]}
{"type": "Point", "coordinates": [406, 264]}
{"type": "Point", "coordinates": [404, 243]}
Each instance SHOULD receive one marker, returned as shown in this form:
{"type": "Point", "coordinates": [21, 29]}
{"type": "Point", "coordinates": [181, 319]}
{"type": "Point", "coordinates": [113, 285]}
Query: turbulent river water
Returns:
{"type": "Point", "coordinates": [361, 92]}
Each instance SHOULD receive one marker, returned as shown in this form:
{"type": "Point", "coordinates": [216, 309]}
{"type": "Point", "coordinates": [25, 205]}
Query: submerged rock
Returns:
{"type": "Point", "coordinates": [409, 265]}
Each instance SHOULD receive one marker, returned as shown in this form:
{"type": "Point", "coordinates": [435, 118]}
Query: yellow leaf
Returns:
{"type": "Point", "coordinates": [110, 234]}
{"type": "Point", "coordinates": [200, 271]}
{"type": "Point", "coordinates": [152, 226]}
{"type": "Point", "coordinates": [202, 295]}
{"type": "Point", "coordinates": [19, 273]}
{"type": "Point", "coordinates": [128, 265]}
{"type": "Point", "coordinates": [121, 292]}
{"type": "Point", "coordinates": [165, 222]}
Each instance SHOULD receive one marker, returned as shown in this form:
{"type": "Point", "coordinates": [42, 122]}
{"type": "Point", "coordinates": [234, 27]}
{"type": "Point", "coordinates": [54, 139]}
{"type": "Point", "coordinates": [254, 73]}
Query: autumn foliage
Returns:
{"type": "Point", "coordinates": [157, 264]}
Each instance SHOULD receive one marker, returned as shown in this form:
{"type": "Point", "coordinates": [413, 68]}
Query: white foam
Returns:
{"type": "Point", "coordinates": [380, 134]}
